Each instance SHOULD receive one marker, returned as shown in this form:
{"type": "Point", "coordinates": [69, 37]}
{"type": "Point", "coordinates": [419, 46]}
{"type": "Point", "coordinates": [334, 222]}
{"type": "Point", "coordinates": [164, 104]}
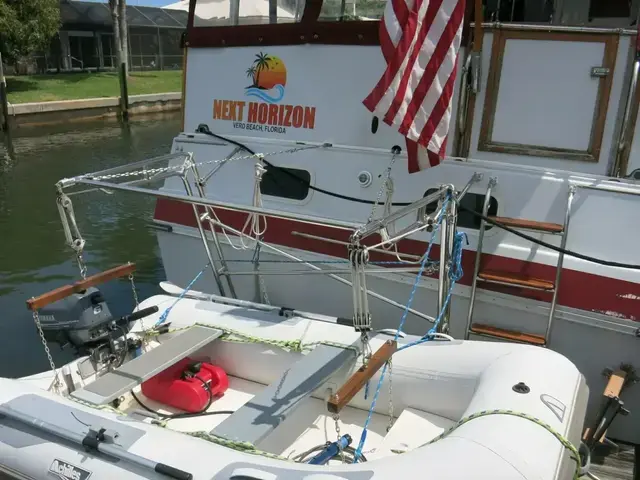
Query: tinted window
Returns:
{"type": "Point", "coordinates": [286, 183]}
{"type": "Point", "coordinates": [472, 201]}
{"type": "Point", "coordinates": [340, 10]}
{"type": "Point", "coordinates": [213, 13]}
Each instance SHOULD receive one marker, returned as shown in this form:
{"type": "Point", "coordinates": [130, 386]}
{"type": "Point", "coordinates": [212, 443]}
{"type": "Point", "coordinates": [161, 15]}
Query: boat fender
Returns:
{"type": "Point", "coordinates": [187, 385]}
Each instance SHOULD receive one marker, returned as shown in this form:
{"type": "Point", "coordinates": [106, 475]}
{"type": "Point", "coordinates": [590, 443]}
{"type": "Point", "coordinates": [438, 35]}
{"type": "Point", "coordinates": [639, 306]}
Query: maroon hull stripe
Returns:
{"type": "Point", "coordinates": [581, 290]}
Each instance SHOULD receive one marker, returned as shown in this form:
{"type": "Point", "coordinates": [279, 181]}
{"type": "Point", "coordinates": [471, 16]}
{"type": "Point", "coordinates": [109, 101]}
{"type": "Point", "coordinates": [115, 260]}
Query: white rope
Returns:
{"type": "Point", "coordinates": [253, 219]}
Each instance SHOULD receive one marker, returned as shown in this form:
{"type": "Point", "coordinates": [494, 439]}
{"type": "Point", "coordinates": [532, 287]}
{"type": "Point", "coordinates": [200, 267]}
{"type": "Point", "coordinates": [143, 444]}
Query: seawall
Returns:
{"type": "Point", "coordinates": [46, 113]}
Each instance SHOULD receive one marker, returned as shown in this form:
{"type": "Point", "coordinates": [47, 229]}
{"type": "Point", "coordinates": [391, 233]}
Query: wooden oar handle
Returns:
{"type": "Point", "coordinates": [79, 286]}
{"type": "Point", "coordinates": [352, 386]}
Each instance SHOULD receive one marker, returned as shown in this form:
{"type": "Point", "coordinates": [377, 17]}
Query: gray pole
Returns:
{"type": "Point", "coordinates": [86, 441]}
{"type": "Point", "coordinates": [124, 93]}
{"type": "Point", "coordinates": [447, 235]}
{"type": "Point", "coordinates": [4, 118]}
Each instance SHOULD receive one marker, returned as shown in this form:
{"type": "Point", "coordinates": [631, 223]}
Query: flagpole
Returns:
{"type": "Point", "coordinates": [468, 93]}
{"type": "Point", "coordinates": [477, 27]}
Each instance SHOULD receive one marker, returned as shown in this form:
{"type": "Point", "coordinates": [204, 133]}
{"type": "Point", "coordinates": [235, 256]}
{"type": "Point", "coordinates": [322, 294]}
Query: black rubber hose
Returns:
{"type": "Point", "coordinates": [201, 413]}
{"type": "Point", "coordinates": [203, 128]}
{"type": "Point", "coordinates": [548, 245]}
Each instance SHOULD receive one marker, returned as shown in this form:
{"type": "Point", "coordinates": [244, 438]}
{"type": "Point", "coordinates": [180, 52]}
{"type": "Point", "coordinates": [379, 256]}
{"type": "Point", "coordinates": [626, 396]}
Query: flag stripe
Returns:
{"type": "Point", "coordinates": [439, 57]}
{"type": "Point", "coordinates": [438, 122]}
{"type": "Point", "coordinates": [398, 59]}
{"type": "Point", "coordinates": [419, 40]}
{"type": "Point", "coordinates": [402, 91]}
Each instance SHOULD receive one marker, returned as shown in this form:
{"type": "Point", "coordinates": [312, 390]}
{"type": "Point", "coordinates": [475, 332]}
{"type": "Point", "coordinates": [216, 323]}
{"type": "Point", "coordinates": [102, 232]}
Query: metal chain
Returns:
{"type": "Point", "coordinates": [154, 171]}
{"type": "Point", "coordinates": [391, 419]}
{"type": "Point", "coordinates": [261, 284]}
{"type": "Point", "coordinates": [133, 290]}
{"type": "Point", "coordinates": [81, 265]}
{"type": "Point", "coordinates": [383, 185]}
{"type": "Point", "coordinates": [336, 419]}
{"type": "Point", "coordinates": [56, 380]}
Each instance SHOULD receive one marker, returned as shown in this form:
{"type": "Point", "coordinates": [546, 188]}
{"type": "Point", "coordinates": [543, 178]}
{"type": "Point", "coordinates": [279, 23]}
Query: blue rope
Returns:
{"type": "Point", "coordinates": [363, 436]}
{"type": "Point", "coordinates": [165, 314]}
{"type": "Point", "coordinates": [456, 274]}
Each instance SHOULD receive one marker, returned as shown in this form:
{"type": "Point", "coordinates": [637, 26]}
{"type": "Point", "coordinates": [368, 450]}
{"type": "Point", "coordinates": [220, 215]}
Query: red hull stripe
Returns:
{"type": "Point", "coordinates": [581, 290]}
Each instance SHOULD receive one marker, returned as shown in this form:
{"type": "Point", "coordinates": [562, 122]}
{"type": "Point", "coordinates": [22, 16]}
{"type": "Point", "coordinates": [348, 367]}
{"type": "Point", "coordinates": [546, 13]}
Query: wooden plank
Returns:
{"type": "Point", "coordinates": [516, 280]}
{"type": "Point", "coordinates": [513, 335]}
{"type": "Point", "coordinates": [588, 431]}
{"type": "Point", "coordinates": [79, 286]}
{"type": "Point", "coordinates": [352, 386]}
{"type": "Point", "coordinates": [615, 384]}
{"type": "Point", "coordinates": [529, 224]}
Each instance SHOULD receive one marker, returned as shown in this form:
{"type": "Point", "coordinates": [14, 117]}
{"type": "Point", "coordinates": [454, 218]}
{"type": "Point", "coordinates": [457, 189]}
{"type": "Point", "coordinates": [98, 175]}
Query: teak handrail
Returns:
{"type": "Point", "coordinates": [352, 386]}
{"type": "Point", "coordinates": [79, 286]}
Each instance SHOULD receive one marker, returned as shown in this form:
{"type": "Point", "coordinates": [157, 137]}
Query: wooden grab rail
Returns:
{"type": "Point", "coordinates": [79, 286]}
{"type": "Point", "coordinates": [352, 386]}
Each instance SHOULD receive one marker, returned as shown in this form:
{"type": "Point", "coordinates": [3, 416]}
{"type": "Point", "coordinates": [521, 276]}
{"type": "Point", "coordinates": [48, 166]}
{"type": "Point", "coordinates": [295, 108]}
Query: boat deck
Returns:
{"type": "Point", "coordinates": [616, 466]}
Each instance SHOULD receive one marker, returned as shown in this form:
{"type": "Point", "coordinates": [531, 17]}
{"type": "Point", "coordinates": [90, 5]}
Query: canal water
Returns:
{"type": "Point", "coordinates": [33, 256]}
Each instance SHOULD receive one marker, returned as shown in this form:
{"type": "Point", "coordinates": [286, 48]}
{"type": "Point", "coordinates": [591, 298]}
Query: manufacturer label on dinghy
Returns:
{"type": "Point", "coordinates": [66, 471]}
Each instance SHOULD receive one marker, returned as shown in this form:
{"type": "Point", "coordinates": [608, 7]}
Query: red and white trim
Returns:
{"type": "Point", "coordinates": [579, 290]}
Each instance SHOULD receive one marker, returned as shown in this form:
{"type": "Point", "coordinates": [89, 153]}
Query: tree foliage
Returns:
{"type": "Point", "coordinates": [27, 26]}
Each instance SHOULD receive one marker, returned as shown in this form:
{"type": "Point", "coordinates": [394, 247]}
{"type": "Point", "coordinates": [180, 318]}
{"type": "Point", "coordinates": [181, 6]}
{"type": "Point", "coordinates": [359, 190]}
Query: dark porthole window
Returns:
{"type": "Point", "coordinates": [472, 201]}
{"type": "Point", "coordinates": [291, 183]}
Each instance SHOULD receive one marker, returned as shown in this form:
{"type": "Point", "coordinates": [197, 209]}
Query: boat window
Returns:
{"type": "Point", "coordinates": [291, 183]}
{"type": "Point", "coordinates": [472, 201]}
{"type": "Point", "coordinates": [601, 13]}
{"type": "Point", "coordinates": [340, 10]}
{"type": "Point", "coordinates": [220, 13]}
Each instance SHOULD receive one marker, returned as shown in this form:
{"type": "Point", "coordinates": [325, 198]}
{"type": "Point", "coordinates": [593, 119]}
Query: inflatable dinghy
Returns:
{"type": "Point", "coordinates": [446, 409]}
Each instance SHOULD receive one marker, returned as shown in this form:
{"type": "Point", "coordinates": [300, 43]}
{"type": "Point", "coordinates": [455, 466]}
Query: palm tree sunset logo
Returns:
{"type": "Point", "coordinates": [268, 76]}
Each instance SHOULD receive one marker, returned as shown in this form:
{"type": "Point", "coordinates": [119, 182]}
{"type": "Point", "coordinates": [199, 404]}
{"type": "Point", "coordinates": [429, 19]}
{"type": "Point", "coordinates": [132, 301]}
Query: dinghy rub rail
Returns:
{"type": "Point", "coordinates": [79, 286]}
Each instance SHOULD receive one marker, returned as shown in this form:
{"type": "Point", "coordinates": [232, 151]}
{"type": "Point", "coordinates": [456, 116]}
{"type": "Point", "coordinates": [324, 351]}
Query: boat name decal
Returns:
{"type": "Point", "coordinates": [269, 78]}
{"type": "Point", "coordinates": [67, 471]}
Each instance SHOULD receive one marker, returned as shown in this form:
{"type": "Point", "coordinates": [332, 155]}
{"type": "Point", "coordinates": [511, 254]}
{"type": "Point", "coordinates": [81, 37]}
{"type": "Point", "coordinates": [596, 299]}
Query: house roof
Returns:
{"type": "Point", "coordinates": [74, 12]}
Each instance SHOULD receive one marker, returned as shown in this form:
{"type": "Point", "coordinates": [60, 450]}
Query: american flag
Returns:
{"type": "Point", "coordinates": [420, 40]}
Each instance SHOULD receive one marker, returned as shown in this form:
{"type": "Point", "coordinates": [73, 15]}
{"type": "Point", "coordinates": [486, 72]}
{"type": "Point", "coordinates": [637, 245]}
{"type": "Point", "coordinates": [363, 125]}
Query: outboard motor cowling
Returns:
{"type": "Point", "coordinates": [81, 319]}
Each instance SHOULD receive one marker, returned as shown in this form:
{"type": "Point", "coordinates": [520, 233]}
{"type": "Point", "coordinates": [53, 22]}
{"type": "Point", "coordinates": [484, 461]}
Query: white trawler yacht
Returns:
{"type": "Point", "coordinates": [447, 210]}
{"type": "Point", "coordinates": [543, 129]}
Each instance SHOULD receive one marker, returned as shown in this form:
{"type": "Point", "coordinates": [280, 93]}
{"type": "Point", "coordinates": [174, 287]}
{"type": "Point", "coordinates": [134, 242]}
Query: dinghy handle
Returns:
{"type": "Point", "coordinates": [65, 291]}
{"type": "Point", "coordinates": [355, 383]}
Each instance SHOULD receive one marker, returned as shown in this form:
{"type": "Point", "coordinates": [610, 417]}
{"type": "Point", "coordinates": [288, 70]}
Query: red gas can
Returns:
{"type": "Point", "coordinates": [182, 385]}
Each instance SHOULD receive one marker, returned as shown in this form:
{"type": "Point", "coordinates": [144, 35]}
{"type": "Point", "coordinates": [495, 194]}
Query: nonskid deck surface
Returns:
{"type": "Point", "coordinates": [309, 426]}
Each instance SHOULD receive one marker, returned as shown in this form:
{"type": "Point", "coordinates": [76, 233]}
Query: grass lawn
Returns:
{"type": "Point", "coordinates": [73, 86]}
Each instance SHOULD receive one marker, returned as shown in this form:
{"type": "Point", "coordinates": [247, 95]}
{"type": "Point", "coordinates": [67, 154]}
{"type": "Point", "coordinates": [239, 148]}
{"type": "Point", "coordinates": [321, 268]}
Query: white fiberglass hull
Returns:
{"type": "Point", "coordinates": [575, 334]}
{"type": "Point", "coordinates": [435, 385]}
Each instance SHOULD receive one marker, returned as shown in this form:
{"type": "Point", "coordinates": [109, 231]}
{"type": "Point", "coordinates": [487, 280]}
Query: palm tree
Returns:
{"type": "Point", "coordinates": [251, 72]}
{"type": "Point", "coordinates": [261, 63]}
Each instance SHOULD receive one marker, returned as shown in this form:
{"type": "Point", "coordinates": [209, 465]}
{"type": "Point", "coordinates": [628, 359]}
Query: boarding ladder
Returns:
{"type": "Point", "coordinates": [517, 280]}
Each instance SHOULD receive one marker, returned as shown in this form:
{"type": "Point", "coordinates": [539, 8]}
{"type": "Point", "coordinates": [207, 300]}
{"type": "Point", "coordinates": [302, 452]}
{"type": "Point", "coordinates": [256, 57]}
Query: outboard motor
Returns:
{"type": "Point", "coordinates": [84, 321]}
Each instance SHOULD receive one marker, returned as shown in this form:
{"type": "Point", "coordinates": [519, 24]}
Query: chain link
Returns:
{"type": "Point", "coordinates": [383, 186]}
{"type": "Point", "coordinates": [134, 291]}
{"type": "Point", "coordinates": [336, 419]}
{"type": "Point", "coordinates": [391, 419]}
{"type": "Point", "coordinates": [81, 265]}
{"type": "Point", "coordinates": [155, 171]}
{"type": "Point", "coordinates": [56, 380]}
